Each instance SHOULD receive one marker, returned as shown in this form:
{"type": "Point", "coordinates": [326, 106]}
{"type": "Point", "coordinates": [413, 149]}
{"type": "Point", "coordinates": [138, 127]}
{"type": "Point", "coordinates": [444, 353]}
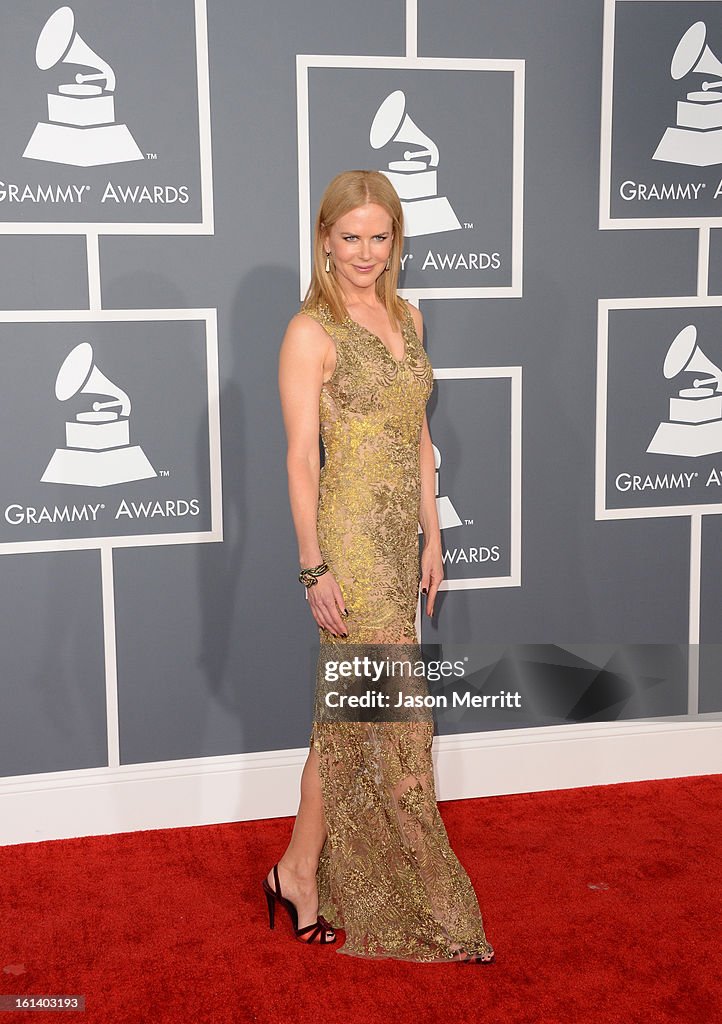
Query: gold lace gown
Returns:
{"type": "Point", "coordinates": [387, 874]}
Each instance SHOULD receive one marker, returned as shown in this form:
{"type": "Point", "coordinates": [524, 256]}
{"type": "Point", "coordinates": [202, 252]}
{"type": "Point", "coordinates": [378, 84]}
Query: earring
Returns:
{"type": "Point", "coordinates": [328, 262]}
{"type": "Point", "coordinates": [388, 263]}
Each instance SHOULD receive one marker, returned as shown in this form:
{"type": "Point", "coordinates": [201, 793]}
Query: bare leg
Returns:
{"type": "Point", "coordinates": [297, 867]}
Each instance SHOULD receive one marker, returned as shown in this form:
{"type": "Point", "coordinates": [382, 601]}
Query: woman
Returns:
{"type": "Point", "coordinates": [369, 852]}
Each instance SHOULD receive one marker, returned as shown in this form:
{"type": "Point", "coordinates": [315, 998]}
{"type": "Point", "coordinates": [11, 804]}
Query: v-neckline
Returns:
{"type": "Point", "coordinates": [385, 347]}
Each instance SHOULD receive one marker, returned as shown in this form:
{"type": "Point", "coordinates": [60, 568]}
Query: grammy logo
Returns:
{"type": "Point", "coordinates": [81, 128]}
{"type": "Point", "coordinates": [697, 137]}
{"type": "Point", "coordinates": [695, 414]}
{"type": "Point", "coordinates": [445, 510]}
{"type": "Point", "coordinates": [98, 451]}
{"type": "Point", "coordinates": [425, 212]}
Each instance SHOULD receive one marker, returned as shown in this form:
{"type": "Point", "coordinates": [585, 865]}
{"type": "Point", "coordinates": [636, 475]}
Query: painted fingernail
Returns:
{"type": "Point", "coordinates": [423, 590]}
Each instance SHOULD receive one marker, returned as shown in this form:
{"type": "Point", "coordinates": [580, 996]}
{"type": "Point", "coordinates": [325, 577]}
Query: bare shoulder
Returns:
{"type": "Point", "coordinates": [305, 337]}
{"type": "Point", "coordinates": [417, 318]}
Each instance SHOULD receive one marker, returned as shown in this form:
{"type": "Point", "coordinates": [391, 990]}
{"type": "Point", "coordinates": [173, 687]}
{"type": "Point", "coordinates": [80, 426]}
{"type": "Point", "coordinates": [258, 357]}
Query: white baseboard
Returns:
{"type": "Point", "coordinates": [244, 787]}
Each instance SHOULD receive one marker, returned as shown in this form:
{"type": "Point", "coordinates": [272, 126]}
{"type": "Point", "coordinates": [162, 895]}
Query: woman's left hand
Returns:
{"type": "Point", "coordinates": [432, 574]}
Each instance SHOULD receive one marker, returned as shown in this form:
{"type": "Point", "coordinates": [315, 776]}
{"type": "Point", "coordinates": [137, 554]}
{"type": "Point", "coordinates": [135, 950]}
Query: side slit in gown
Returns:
{"type": "Point", "coordinates": [387, 874]}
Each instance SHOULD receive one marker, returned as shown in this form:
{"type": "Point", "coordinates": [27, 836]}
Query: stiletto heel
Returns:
{"type": "Point", "coordinates": [320, 933]}
{"type": "Point", "coordinates": [271, 909]}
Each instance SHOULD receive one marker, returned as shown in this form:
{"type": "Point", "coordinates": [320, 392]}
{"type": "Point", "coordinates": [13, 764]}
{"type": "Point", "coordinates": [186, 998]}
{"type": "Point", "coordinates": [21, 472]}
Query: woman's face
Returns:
{"type": "Point", "coordinates": [360, 243]}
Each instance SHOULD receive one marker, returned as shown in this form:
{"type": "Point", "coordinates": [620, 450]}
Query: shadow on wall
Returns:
{"type": "Point", "coordinates": [232, 594]}
{"type": "Point", "coordinates": [265, 301]}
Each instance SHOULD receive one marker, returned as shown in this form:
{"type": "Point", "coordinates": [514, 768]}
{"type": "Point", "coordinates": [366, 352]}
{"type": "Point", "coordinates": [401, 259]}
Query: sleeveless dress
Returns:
{"type": "Point", "coordinates": [387, 874]}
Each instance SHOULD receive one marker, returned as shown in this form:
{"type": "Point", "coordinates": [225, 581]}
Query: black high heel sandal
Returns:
{"type": "Point", "coordinates": [320, 933]}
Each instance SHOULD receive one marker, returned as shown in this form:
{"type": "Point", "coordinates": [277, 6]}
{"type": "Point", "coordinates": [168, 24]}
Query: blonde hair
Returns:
{"type": "Point", "coordinates": [344, 193]}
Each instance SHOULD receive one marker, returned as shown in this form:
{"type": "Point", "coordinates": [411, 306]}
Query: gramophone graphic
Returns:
{"type": "Point", "coordinates": [98, 451]}
{"type": "Point", "coordinates": [697, 138]}
{"type": "Point", "coordinates": [81, 128]}
{"type": "Point", "coordinates": [425, 212]}
{"type": "Point", "coordinates": [695, 413]}
{"type": "Point", "coordinates": [445, 510]}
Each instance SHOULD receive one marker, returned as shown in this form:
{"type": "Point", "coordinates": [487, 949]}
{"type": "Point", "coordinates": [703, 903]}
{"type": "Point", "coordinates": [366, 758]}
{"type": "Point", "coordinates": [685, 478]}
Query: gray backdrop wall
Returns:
{"type": "Point", "coordinates": [168, 623]}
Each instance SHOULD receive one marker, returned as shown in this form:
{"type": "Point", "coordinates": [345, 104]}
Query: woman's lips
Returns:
{"type": "Point", "coordinates": [363, 270]}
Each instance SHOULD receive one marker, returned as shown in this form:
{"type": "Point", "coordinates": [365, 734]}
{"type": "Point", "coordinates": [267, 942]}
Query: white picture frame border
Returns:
{"type": "Point", "coordinates": [604, 306]}
{"type": "Point", "coordinates": [205, 226]}
{"type": "Point", "coordinates": [209, 318]}
{"type": "Point", "coordinates": [304, 62]}
{"type": "Point", "coordinates": [514, 375]}
{"type": "Point", "coordinates": [606, 221]}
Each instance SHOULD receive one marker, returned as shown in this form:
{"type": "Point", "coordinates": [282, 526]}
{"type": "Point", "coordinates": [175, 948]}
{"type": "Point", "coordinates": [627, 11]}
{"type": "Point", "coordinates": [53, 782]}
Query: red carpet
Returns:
{"type": "Point", "coordinates": [602, 904]}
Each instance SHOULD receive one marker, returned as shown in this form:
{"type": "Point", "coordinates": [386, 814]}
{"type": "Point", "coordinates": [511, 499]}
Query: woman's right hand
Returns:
{"type": "Point", "coordinates": [326, 601]}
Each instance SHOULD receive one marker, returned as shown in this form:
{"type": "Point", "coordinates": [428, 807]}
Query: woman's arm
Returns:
{"type": "Point", "coordinates": [300, 378]}
{"type": "Point", "coordinates": [432, 566]}
{"type": "Point", "coordinates": [428, 516]}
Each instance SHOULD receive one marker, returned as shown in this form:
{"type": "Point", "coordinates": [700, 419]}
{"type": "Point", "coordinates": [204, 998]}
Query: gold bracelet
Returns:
{"type": "Point", "coordinates": [309, 577]}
